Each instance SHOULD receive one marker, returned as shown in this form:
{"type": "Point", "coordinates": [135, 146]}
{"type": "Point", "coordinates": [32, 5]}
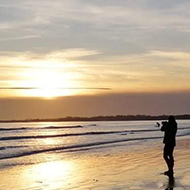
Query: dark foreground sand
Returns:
{"type": "Point", "coordinates": [137, 169]}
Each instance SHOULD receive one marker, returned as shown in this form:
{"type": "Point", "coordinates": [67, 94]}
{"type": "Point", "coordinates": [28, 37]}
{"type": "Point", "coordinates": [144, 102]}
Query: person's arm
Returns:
{"type": "Point", "coordinates": [175, 129]}
{"type": "Point", "coordinates": [163, 128]}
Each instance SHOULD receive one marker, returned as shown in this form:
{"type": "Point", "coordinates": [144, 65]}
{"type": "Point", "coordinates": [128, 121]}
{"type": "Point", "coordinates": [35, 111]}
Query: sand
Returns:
{"type": "Point", "coordinates": [130, 169]}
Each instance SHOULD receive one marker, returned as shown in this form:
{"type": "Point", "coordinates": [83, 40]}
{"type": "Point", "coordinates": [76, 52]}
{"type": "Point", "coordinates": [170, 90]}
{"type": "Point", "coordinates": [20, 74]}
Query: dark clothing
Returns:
{"type": "Point", "coordinates": [170, 130]}
{"type": "Point", "coordinates": [168, 150]}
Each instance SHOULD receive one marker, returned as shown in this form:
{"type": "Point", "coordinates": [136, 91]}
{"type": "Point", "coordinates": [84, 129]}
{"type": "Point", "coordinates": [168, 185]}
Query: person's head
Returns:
{"type": "Point", "coordinates": [171, 119]}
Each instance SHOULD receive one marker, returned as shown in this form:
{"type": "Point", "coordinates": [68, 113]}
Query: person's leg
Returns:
{"type": "Point", "coordinates": [171, 159]}
{"type": "Point", "coordinates": [166, 156]}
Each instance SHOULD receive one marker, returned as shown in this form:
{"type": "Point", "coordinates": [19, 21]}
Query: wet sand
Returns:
{"type": "Point", "coordinates": [133, 169]}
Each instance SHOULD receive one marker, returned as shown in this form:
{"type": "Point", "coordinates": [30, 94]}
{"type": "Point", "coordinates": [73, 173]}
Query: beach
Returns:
{"type": "Point", "coordinates": [94, 95]}
{"type": "Point", "coordinates": [133, 165]}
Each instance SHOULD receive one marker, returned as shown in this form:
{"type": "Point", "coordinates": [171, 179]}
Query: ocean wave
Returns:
{"type": "Point", "coordinates": [40, 128]}
{"type": "Point", "coordinates": [72, 134]}
{"type": "Point", "coordinates": [62, 127]}
{"type": "Point", "coordinates": [76, 147]}
{"type": "Point", "coordinates": [122, 132]}
{"type": "Point", "coordinates": [14, 129]}
{"type": "Point", "coordinates": [80, 147]}
{"type": "Point", "coordinates": [92, 125]}
{"type": "Point", "coordinates": [12, 147]}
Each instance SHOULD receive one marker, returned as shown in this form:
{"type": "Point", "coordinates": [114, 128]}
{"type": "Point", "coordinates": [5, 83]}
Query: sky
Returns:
{"type": "Point", "coordinates": [94, 57]}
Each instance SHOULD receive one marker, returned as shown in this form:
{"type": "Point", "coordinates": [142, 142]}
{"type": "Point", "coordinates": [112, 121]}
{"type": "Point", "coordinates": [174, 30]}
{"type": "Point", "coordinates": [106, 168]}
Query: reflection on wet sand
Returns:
{"type": "Point", "coordinates": [127, 169]}
{"type": "Point", "coordinates": [171, 183]}
{"type": "Point", "coordinates": [51, 175]}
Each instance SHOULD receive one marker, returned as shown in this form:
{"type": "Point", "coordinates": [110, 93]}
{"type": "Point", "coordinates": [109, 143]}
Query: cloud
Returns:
{"type": "Point", "coordinates": [129, 45]}
{"type": "Point", "coordinates": [136, 73]}
{"type": "Point", "coordinates": [73, 54]}
{"type": "Point", "coordinates": [122, 27]}
{"type": "Point", "coordinates": [19, 38]}
{"type": "Point", "coordinates": [117, 14]}
{"type": "Point", "coordinates": [141, 64]}
{"type": "Point", "coordinates": [42, 59]}
{"type": "Point", "coordinates": [173, 55]}
{"type": "Point", "coordinates": [147, 15]}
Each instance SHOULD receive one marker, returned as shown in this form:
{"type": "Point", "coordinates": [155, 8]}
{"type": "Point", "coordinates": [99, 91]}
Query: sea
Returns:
{"type": "Point", "coordinates": [19, 140]}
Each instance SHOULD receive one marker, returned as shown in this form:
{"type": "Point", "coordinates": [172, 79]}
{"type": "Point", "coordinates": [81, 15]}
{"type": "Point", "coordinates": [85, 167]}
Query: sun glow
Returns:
{"type": "Point", "coordinates": [49, 83]}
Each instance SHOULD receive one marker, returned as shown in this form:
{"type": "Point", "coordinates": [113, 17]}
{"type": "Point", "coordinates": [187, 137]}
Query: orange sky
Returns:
{"type": "Point", "coordinates": [64, 69]}
{"type": "Point", "coordinates": [92, 49]}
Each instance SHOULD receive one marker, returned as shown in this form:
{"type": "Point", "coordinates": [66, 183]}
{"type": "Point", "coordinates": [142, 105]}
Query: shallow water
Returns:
{"type": "Point", "coordinates": [89, 155]}
{"type": "Point", "coordinates": [22, 139]}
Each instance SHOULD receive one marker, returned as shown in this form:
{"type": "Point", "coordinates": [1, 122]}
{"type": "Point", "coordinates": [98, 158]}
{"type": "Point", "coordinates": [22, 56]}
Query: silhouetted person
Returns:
{"type": "Point", "coordinates": [170, 130]}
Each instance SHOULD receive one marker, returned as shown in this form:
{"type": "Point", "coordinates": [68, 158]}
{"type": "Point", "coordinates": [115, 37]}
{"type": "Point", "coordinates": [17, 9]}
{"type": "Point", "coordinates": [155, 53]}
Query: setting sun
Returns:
{"type": "Point", "coordinates": [49, 83]}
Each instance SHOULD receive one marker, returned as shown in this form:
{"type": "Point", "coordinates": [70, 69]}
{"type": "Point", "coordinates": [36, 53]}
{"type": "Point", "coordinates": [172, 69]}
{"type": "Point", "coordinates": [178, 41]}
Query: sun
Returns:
{"type": "Point", "coordinates": [49, 83]}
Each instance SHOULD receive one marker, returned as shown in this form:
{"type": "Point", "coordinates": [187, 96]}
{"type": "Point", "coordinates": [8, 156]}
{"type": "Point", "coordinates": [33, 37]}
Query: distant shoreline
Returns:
{"type": "Point", "coordinates": [100, 118]}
